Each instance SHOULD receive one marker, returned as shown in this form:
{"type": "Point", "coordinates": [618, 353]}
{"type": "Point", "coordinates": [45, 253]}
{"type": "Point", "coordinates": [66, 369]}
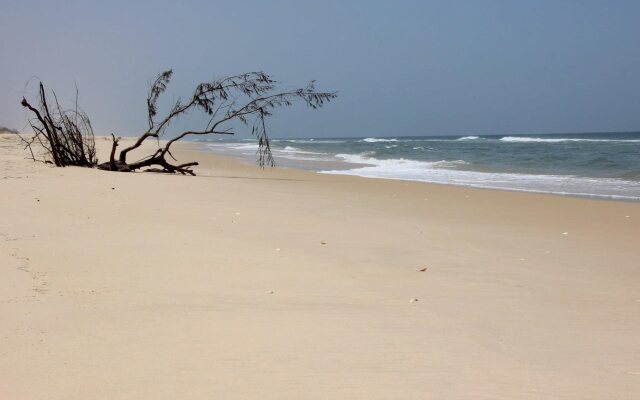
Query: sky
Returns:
{"type": "Point", "coordinates": [399, 67]}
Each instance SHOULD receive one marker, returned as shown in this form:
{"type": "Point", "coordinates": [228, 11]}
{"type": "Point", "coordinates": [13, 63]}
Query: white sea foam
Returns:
{"type": "Point", "coordinates": [518, 139]}
{"type": "Point", "coordinates": [291, 149]}
{"type": "Point", "coordinates": [447, 172]}
{"type": "Point", "coordinates": [398, 165]}
{"type": "Point", "coordinates": [451, 171]}
{"type": "Point", "coordinates": [254, 147]}
{"type": "Point", "coordinates": [376, 140]}
{"type": "Point", "coordinates": [315, 141]}
{"type": "Point", "coordinates": [249, 150]}
{"type": "Point", "coordinates": [449, 164]}
{"type": "Point", "coordinates": [307, 141]}
{"type": "Point", "coordinates": [357, 158]}
{"type": "Point", "coordinates": [241, 146]}
{"type": "Point", "coordinates": [469, 138]}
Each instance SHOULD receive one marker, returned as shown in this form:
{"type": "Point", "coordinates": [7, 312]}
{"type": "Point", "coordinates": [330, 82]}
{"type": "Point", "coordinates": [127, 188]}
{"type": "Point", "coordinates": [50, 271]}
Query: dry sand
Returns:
{"type": "Point", "coordinates": [282, 284]}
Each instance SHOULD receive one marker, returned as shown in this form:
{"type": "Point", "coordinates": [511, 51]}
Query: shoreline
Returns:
{"type": "Point", "coordinates": [291, 164]}
{"type": "Point", "coordinates": [399, 159]}
{"type": "Point", "coordinates": [245, 283]}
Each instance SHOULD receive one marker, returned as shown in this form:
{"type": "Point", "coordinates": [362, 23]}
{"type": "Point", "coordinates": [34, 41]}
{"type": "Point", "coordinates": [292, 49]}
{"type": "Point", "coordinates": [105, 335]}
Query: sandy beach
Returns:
{"type": "Point", "coordinates": [244, 283]}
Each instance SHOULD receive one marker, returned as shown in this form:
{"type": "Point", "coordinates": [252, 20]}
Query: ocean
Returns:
{"type": "Point", "coordinates": [601, 165]}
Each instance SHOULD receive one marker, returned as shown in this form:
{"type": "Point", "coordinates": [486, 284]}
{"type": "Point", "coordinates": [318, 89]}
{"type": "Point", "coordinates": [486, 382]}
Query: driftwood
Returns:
{"type": "Point", "coordinates": [246, 99]}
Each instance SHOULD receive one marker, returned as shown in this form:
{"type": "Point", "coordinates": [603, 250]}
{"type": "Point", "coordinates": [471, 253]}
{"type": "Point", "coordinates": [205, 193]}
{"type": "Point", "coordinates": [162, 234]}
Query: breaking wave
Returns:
{"type": "Point", "coordinates": [519, 139]}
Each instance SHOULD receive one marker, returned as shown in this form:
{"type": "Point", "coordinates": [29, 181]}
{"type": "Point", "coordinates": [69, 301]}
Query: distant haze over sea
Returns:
{"type": "Point", "coordinates": [605, 165]}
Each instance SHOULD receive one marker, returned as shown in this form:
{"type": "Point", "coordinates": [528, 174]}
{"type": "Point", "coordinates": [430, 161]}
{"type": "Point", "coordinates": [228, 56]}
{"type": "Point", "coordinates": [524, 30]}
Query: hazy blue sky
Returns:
{"type": "Point", "coordinates": [401, 67]}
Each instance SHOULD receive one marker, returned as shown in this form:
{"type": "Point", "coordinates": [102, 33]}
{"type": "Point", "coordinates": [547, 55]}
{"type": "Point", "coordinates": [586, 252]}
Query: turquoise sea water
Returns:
{"type": "Point", "coordinates": [591, 164]}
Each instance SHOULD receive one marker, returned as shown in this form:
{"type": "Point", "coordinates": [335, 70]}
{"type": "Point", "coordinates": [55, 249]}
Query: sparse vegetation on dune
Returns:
{"type": "Point", "coordinates": [4, 129]}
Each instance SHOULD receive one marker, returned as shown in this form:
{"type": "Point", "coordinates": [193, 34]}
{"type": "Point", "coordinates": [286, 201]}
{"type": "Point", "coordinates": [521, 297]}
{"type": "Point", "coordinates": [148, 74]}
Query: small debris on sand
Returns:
{"type": "Point", "coordinates": [565, 233]}
{"type": "Point", "coordinates": [270, 292]}
{"type": "Point", "coordinates": [278, 249]}
{"type": "Point", "coordinates": [423, 269]}
{"type": "Point", "coordinates": [414, 300]}
{"type": "Point", "coordinates": [323, 242]}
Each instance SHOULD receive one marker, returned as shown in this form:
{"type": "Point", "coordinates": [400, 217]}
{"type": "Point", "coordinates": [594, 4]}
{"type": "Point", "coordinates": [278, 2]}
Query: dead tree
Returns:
{"type": "Point", "coordinates": [64, 137]}
{"type": "Point", "coordinates": [248, 99]}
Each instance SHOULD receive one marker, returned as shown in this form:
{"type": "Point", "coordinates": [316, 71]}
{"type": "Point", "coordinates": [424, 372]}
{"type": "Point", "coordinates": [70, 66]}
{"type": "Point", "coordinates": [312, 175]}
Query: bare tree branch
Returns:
{"type": "Point", "coordinates": [112, 156]}
{"type": "Point", "coordinates": [239, 97]}
{"type": "Point", "coordinates": [65, 136]}
{"type": "Point", "coordinates": [247, 99]}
